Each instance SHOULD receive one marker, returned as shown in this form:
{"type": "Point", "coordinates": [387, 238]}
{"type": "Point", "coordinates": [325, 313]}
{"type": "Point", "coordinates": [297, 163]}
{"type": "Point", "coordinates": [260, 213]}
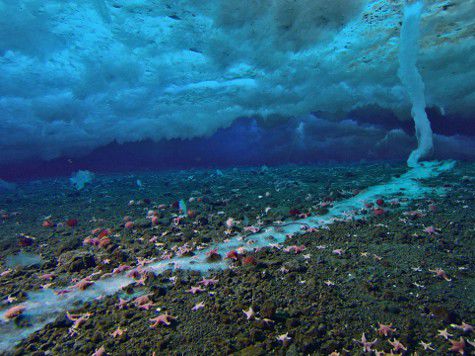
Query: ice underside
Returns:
{"type": "Point", "coordinates": [76, 75]}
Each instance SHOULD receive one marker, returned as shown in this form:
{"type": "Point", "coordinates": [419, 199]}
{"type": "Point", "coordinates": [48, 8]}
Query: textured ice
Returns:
{"type": "Point", "coordinates": [6, 186]}
{"type": "Point", "coordinates": [44, 306]}
{"type": "Point", "coordinates": [412, 80]}
{"type": "Point", "coordinates": [23, 259]}
{"type": "Point", "coordinates": [81, 178]}
{"type": "Point", "coordinates": [76, 75]}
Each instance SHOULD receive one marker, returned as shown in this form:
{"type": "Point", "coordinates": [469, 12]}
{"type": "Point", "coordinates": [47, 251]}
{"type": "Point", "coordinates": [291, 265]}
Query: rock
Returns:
{"type": "Point", "coordinates": [253, 350]}
{"type": "Point", "coordinates": [76, 261]}
{"type": "Point", "coordinates": [68, 244]}
{"type": "Point", "coordinates": [143, 223]}
{"type": "Point", "coordinates": [268, 310]}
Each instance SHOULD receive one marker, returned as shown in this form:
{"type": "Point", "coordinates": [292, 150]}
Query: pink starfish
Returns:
{"type": "Point", "coordinates": [146, 306]}
{"type": "Point", "coordinates": [385, 329]}
{"type": "Point", "coordinates": [208, 282]}
{"type": "Point", "coordinates": [100, 351]}
{"type": "Point", "coordinates": [338, 251]}
{"type": "Point", "coordinates": [397, 345]}
{"type": "Point", "coordinates": [122, 303]}
{"type": "Point", "coordinates": [121, 268]}
{"type": "Point", "coordinates": [441, 273]}
{"type": "Point", "coordinates": [14, 312]}
{"type": "Point", "coordinates": [47, 276]}
{"type": "Point", "coordinates": [83, 284]}
{"type": "Point", "coordinates": [194, 290]}
{"type": "Point", "coordinates": [62, 292]}
{"type": "Point", "coordinates": [142, 300]}
{"type": "Point", "coordinates": [118, 332]}
{"type": "Point", "coordinates": [367, 345]}
{"type": "Point", "coordinates": [464, 326]}
{"type": "Point", "coordinates": [296, 249]}
{"type": "Point", "coordinates": [458, 346]}
{"type": "Point", "coordinates": [162, 319]}
{"type": "Point", "coordinates": [5, 273]}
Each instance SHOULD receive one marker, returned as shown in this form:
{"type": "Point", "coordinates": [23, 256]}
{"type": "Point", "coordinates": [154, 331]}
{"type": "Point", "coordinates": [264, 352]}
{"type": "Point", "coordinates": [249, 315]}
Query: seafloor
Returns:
{"type": "Point", "coordinates": [333, 287]}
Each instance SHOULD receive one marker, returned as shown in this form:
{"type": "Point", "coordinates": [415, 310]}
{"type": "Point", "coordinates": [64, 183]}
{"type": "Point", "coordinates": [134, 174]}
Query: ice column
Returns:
{"type": "Point", "coordinates": [412, 80]}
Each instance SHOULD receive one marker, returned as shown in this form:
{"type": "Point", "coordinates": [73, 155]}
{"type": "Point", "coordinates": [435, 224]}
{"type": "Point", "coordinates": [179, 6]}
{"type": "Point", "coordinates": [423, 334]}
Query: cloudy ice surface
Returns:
{"type": "Point", "coordinates": [76, 75]}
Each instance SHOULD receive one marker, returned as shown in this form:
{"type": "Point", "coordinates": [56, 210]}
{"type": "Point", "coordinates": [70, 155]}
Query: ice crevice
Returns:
{"type": "Point", "coordinates": [42, 307]}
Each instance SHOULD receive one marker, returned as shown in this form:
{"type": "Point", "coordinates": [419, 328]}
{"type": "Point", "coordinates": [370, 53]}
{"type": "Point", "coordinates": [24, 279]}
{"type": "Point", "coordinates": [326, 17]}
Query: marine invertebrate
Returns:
{"type": "Point", "coordinates": [14, 312]}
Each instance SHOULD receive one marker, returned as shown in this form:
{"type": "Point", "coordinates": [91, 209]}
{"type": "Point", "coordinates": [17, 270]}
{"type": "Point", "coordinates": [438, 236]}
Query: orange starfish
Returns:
{"type": "Point", "coordinates": [162, 319]}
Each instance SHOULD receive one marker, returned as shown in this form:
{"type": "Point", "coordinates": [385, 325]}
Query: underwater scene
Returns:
{"type": "Point", "coordinates": [252, 177]}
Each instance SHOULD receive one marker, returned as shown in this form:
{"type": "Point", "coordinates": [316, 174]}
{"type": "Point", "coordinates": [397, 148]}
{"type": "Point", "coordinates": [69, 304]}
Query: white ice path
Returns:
{"type": "Point", "coordinates": [42, 307]}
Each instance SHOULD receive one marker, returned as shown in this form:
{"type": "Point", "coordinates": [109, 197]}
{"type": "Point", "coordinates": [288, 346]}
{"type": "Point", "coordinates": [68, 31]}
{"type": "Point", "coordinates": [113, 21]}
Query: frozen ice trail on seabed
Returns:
{"type": "Point", "coordinates": [42, 307]}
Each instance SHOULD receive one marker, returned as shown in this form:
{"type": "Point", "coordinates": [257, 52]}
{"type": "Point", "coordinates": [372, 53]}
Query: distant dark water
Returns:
{"type": "Point", "coordinates": [252, 142]}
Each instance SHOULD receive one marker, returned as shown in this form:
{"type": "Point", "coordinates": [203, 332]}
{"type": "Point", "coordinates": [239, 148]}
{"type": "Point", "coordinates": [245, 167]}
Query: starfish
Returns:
{"type": "Point", "coordinates": [122, 303]}
{"type": "Point", "coordinates": [268, 321]}
{"type": "Point", "coordinates": [441, 273]}
{"type": "Point", "coordinates": [142, 300]}
{"type": "Point", "coordinates": [100, 351]}
{"type": "Point", "coordinates": [47, 276]}
{"type": "Point", "coordinates": [283, 269]}
{"type": "Point", "coordinates": [458, 346]}
{"type": "Point", "coordinates": [377, 258]}
{"type": "Point", "coordinates": [6, 272]}
{"type": "Point", "coordinates": [385, 329]}
{"type": "Point", "coordinates": [208, 282]}
{"type": "Point", "coordinates": [338, 251]}
{"type": "Point", "coordinates": [249, 313]}
{"type": "Point", "coordinates": [329, 283]}
{"type": "Point", "coordinates": [121, 268]}
{"type": "Point", "coordinates": [14, 312]}
{"type": "Point", "coordinates": [144, 261]}
{"type": "Point", "coordinates": [146, 306]}
{"type": "Point", "coordinates": [430, 230]}
{"type": "Point", "coordinates": [162, 319]}
{"type": "Point", "coordinates": [194, 290]}
{"type": "Point", "coordinates": [198, 306]}
{"type": "Point", "coordinates": [118, 332]}
{"type": "Point", "coordinates": [296, 249]}
{"type": "Point", "coordinates": [464, 326]}
{"type": "Point", "coordinates": [11, 299]}
{"type": "Point", "coordinates": [78, 320]}
{"type": "Point", "coordinates": [83, 284]}
{"type": "Point", "coordinates": [444, 334]}
{"type": "Point", "coordinates": [426, 346]}
{"type": "Point", "coordinates": [397, 345]}
{"type": "Point", "coordinates": [367, 345]}
{"type": "Point", "coordinates": [284, 337]}
{"type": "Point", "coordinates": [141, 281]}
